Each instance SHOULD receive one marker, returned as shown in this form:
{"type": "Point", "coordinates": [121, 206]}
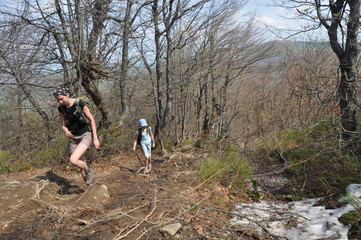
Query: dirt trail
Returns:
{"type": "Point", "coordinates": [49, 204]}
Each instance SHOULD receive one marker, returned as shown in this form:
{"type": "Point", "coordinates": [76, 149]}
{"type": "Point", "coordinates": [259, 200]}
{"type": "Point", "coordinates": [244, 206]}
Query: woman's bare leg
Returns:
{"type": "Point", "coordinates": [75, 157]}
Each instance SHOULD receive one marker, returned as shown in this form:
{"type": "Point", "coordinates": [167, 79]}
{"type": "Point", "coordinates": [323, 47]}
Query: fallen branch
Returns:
{"type": "Point", "coordinates": [208, 179]}
{"type": "Point", "coordinates": [139, 223]}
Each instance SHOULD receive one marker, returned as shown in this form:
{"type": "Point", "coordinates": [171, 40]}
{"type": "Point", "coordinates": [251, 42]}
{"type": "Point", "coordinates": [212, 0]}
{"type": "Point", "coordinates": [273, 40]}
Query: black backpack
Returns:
{"type": "Point", "coordinates": [139, 139]}
{"type": "Point", "coordinates": [82, 117]}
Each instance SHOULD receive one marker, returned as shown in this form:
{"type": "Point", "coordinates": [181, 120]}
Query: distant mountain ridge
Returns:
{"type": "Point", "coordinates": [283, 48]}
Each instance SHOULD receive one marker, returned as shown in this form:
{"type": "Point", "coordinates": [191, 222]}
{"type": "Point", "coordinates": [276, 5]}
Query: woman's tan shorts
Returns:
{"type": "Point", "coordinates": [85, 138]}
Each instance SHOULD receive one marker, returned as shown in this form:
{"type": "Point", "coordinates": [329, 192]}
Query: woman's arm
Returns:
{"type": "Point", "coordinates": [64, 127]}
{"type": "Point", "coordinates": [93, 126]}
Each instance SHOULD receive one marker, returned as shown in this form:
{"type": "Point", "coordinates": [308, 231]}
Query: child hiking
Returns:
{"type": "Point", "coordinates": [145, 139]}
{"type": "Point", "coordinates": [80, 131]}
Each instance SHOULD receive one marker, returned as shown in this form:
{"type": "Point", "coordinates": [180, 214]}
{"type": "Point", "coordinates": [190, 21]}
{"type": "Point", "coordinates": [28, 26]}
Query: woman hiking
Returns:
{"type": "Point", "coordinates": [81, 133]}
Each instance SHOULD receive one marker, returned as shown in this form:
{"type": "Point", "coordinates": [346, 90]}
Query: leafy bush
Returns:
{"type": "Point", "coordinates": [230, 166]}
{"type": "Point", "coordinates": [9, 163]}
{"type": "Point", "coordinates": [46, 156]}
{"type": "Point", "coordinates": [352, 218]}
{"type": "Point", "coordinates": [114, 139]}
{"type": "Point", "coordinates": [5, 158]}
{"type": "Point", "coordinates": [185, 142]}
{"type": "Point", "coordinates": [314, 161]}
{"type": "Point", "coordinates": [50, 155]}
{"type": "Point", "coordinates": [168, 143]}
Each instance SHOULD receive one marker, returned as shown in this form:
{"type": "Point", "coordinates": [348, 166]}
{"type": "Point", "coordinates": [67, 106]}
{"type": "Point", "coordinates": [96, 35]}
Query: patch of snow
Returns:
{"type": "Point", "coordinates": [298, 220]}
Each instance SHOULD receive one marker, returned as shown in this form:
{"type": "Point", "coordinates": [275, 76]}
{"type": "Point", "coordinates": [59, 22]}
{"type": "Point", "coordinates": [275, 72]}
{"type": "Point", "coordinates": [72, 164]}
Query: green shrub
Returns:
{"type": "Point", "coordinates": [52, 154]}
{"type": "Point", "coordinates": [114, 139]}
{"type": "Point", "coordinates": [315, 163]}
{"type": "Point", "coordinates": [21, 164]}
{"type": "Point", "coordinates": [285, 139]}
{"type": "Point", "coordinates": [209, 168]}
{"type": "Point", "coordinates": [229, 167]}
{"type": "Point", "coordinates": [168, 143]}
{"type": "Point", "coordinates": [5, 159]}
{"type": "Point", "coordinates": [352, 218]}
{"type": "Point", "coordinates": [9, 163]}
{"type": "Point", "coordinates": [185, 142]}
{"type": "Point", "coordinates": [45, 156]}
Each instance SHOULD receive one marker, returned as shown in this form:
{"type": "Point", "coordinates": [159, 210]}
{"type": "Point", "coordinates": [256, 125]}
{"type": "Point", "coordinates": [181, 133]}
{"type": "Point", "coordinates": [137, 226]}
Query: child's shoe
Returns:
{"type": "Point", "coordinates": [146, 170]}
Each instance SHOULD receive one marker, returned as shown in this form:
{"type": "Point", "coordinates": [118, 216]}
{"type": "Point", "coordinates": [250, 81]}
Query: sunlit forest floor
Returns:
{"type": "Point", "coordinates": [54, 203]}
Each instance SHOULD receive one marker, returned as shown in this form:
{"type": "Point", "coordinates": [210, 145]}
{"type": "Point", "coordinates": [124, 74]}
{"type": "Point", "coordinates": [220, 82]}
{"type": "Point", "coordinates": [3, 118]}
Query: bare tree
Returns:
{"type": "Point", "coordinates": [24, 85]}
{"type": "Point", "coordinates": [77, 28]}
{"type": "Point", "coordinates": [131, 14]}
{"type": "Point", "coordinates": [19, 61]}
{"type": "Point", "coordinates": [226, 54]}
{"type": "Point", "coordinates": [292, 92]}
{"type": "Point", "coordinates": [165, 16]}
{"type": "Point", "coordinates": [341, 19]}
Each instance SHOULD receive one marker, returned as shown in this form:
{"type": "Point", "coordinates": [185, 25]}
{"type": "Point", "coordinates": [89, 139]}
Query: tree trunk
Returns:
{"type": "Point", "coordinates": [125, 60]}
{"type": "Point", "coordinates": [158, 73]}
{"type": "Point", "coordinates": [347, 54]}
{"type": "Point", "coordinates": [347, 94]}
{"type": "Point", "coordinates": [90, 69]}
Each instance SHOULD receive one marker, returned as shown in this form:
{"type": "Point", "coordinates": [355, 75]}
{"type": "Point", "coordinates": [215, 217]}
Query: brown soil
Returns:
{"type": "Point", "coordinates": [122, 204]}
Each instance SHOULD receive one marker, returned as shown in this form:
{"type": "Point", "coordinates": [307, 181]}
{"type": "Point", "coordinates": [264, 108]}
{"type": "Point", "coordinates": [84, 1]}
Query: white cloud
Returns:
{"type": "Point", "coordinates": [269, 21]}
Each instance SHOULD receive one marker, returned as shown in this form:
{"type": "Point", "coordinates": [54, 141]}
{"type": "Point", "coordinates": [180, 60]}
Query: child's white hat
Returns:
{"type": "Point", "coordinates": [142, 123]}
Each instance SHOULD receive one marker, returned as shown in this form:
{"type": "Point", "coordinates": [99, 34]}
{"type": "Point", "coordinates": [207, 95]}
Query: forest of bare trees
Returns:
{"type": "Point", "coordinates": [195, 69]}
{"type": "Point", "coordinates": [241, 113]}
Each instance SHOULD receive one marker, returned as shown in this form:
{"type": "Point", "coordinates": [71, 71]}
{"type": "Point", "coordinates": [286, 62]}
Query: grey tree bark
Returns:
{"type": "Point", "coordinates": [341, 19]}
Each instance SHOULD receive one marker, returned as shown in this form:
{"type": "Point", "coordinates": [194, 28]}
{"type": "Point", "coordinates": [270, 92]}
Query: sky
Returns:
{"type": "Point", "coordinates": [278, 21]}
{"type": "Point", "coordinates": [267, 13]}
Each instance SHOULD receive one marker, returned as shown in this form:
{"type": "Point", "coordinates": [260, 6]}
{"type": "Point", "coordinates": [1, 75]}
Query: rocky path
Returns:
{"type": "Point", "coordinates": [122, 204]}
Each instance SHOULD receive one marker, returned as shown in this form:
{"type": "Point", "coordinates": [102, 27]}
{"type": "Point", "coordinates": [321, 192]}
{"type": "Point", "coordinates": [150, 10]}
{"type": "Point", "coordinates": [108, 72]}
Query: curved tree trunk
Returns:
{"type": "Point", "coordinates": [90, 69]}
{"type": "Point", "coordinates": [347, 54]}
{"type": "Point", "coordinates": [348, 63]}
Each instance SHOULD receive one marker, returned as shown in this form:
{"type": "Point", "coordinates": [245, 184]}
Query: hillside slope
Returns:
{"type": "Point", "coordinates": [122, 204]}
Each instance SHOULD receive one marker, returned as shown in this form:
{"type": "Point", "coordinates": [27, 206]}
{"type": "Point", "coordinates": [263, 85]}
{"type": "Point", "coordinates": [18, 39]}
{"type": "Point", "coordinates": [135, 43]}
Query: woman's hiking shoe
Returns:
{"type": "Point", "coordinates": [89, 176]}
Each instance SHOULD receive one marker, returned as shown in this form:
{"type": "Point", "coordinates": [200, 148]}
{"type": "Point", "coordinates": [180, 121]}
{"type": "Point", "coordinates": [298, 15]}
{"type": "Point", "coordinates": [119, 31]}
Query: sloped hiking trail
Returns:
{"type": "Point", "coordinates": [49, 204]}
